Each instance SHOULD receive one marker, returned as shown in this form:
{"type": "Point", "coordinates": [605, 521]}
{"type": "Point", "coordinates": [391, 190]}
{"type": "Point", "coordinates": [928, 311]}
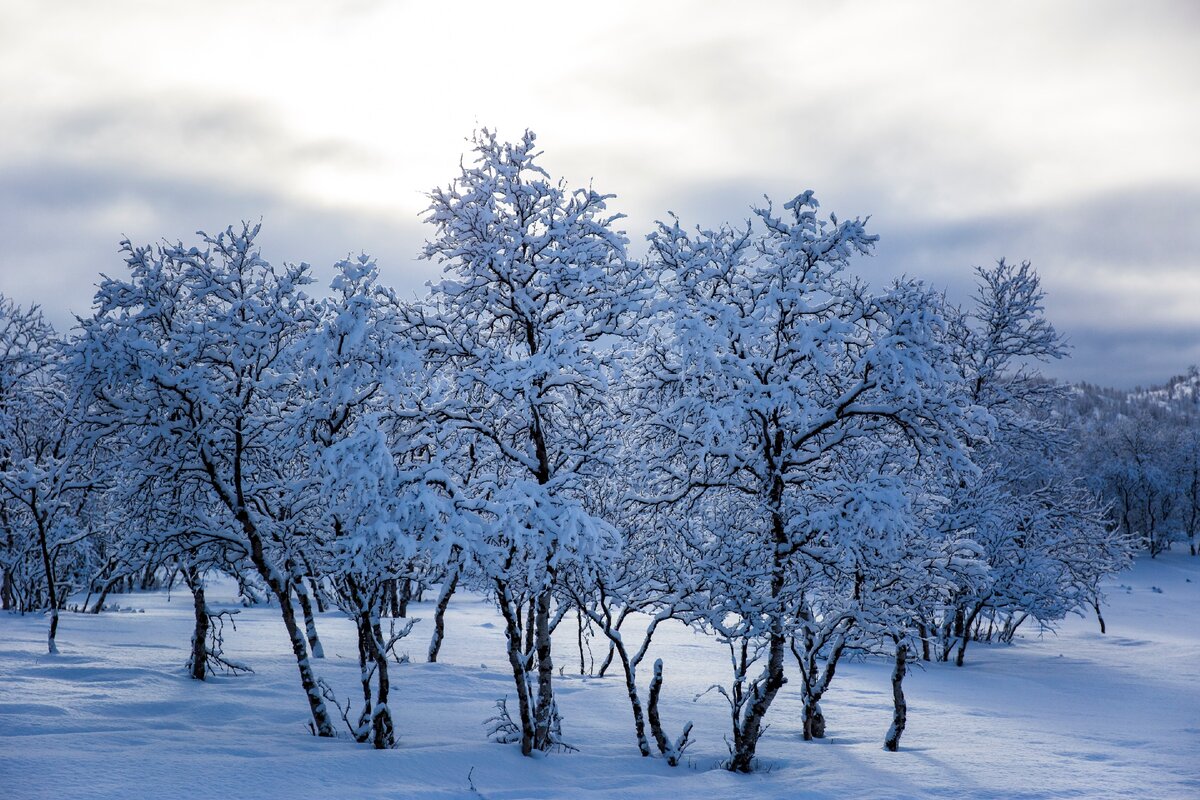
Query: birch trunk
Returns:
{"type": "Point", "coordinates": [900, 707]}
{"type": "Point", "coordinates": [517, 661]}
{"type": "Point", "coordinates": [310, 621]}
{"type": "Point", "coordinates": [198, 664]}
{"type": "Point", "coordinates": [48, 565]}
{"type": "Point", "coordinates": [545, 711]}
{"type": "Point", "coordinates": [439, 613]}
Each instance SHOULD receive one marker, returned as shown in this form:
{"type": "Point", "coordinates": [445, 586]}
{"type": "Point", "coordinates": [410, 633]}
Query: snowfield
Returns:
{"type": "Point", "coordinates": [1072, 714]}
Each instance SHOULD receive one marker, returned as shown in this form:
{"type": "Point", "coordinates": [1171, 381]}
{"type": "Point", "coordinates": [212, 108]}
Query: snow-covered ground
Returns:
{"type": "Point", "coordinates": [1075, 714]}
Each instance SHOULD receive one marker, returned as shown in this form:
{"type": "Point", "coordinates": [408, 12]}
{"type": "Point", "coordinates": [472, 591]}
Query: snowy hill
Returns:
{"type": "Point", "coordinates": [1179, 396]}
{"type": "Point", "coordinates": [1075, 713]}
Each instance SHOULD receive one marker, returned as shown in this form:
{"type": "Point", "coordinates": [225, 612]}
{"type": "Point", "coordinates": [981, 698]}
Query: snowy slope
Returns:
{"type": "Point", "coordinates": [1075, 714]}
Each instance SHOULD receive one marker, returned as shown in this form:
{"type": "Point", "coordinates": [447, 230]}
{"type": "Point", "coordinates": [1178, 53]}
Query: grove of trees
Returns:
{"type": "Point", "coordinates": [731, 433]}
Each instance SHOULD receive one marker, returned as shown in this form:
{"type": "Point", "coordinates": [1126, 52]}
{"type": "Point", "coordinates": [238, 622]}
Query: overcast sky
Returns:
{"type": "Point", "coordinates": [1065, 133]}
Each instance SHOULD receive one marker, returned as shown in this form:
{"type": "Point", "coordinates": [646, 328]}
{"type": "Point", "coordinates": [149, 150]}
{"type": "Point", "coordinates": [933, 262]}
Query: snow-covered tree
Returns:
{"type": "Point", "coordinates": [385, 496]}
{"type": "Point", "coordinates": [537, 286]}
{"type": "Point", "coordinates": [192, 359]}
{"type": "Point", "coordinates": [45, 470]}
{"type": "Point", "coordinates": [1189, 470]}
{"type": "Point", "coordinates": [651, 578]}
{"type": "Point", "coordinates": [1139, 463]}
{"type": "Point", "coordinates": [772, 370]}
{"type": "Point", "coordinates": [1040, 532]}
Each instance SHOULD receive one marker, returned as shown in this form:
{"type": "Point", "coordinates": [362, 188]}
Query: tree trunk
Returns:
{"type": "Point", "coordinates": [811, 715]}
{"type": "Point", "coordinates": [6, 591]}
{"type": "Point", "coordinates": [51, 596]}
{"type": "Point", "coordinates": [962, 645]}
{"type": "Point", "coordinates": [322, 722]}
{"type": "Point", "coordinates": [362, 623]}
{"type": "Point", "coordinates": [635, 703]}
{"type": "Point", "coordinates": [748, 729]}
{"type": "Point", "coordinates": [98, 606]}
{"type": "Point", "coordinates": [660, 737]}
{"type": "Point", "coordinates": [382, 727]}
{"type": "Point", "coordinates": [516, 660]}
{"type": "Point", "coordinates": [382, 732]}
{"type": "Point", "coordinates": [816, 681]}
{"type": "Point", "coordinates": [1099, 616]}
{"type": "Point", "coordinates": [405, 593]}
{"type": "Point", "coordinates": [530, 625]}
{"type": "Point", "coordinates": [198, 663]}
{"type": "Point", "coordinates": [579, 626]}
{"type": "Point", "coordinates": [611, 651]}
{"type": "Point", "coordinates": [277, 583]}
{"type": "Point", "coordinates": [900, 708]}
{"type": "Point", "coordinates": [439, 612]}
{"type": "Point", "coordinates": [149, 578]}
{"type": "Point", "coordinates": [545, 710]}
{"type": "Point", "coordinates": [813, 720]}
{"type": "Point", "coordinates": [310, 622]}
{"type": "Point", "coordinates": [318, 593]}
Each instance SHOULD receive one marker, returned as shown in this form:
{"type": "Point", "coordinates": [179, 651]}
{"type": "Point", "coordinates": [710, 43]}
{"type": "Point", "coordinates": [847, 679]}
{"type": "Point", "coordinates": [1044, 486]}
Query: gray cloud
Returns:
{"type": "Point", "coordinates": [1138, 357]}
{"type": "Point", "coordinates": [62, 224]}
{"type": "Point", "coordinates": [1062, 133]}
{"type": "Point", "coordinates": [1120, 269]}
{"type": "Point", "coordinates": [1115, 268]}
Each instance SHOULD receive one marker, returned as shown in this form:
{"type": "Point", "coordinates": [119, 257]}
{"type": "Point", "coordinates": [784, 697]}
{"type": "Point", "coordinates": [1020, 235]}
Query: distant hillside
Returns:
{"type": "Point", "coordinates": [1179, 396]}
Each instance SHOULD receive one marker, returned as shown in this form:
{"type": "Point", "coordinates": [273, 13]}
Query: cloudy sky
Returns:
{"type": "Point", "coordinates": [1065, 133]}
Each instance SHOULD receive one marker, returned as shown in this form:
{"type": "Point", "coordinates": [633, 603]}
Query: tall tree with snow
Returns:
{"type": "Point", "coordinates": [1041, 534]}
{"type": "Point", "coordinates": [773, 367]}
{"type": "Point", "coordinates": [384, 494]}
{"type": "Point", "coordinates": [192, 357]}
{"type": "Point", "coordinates": [537, 284]}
